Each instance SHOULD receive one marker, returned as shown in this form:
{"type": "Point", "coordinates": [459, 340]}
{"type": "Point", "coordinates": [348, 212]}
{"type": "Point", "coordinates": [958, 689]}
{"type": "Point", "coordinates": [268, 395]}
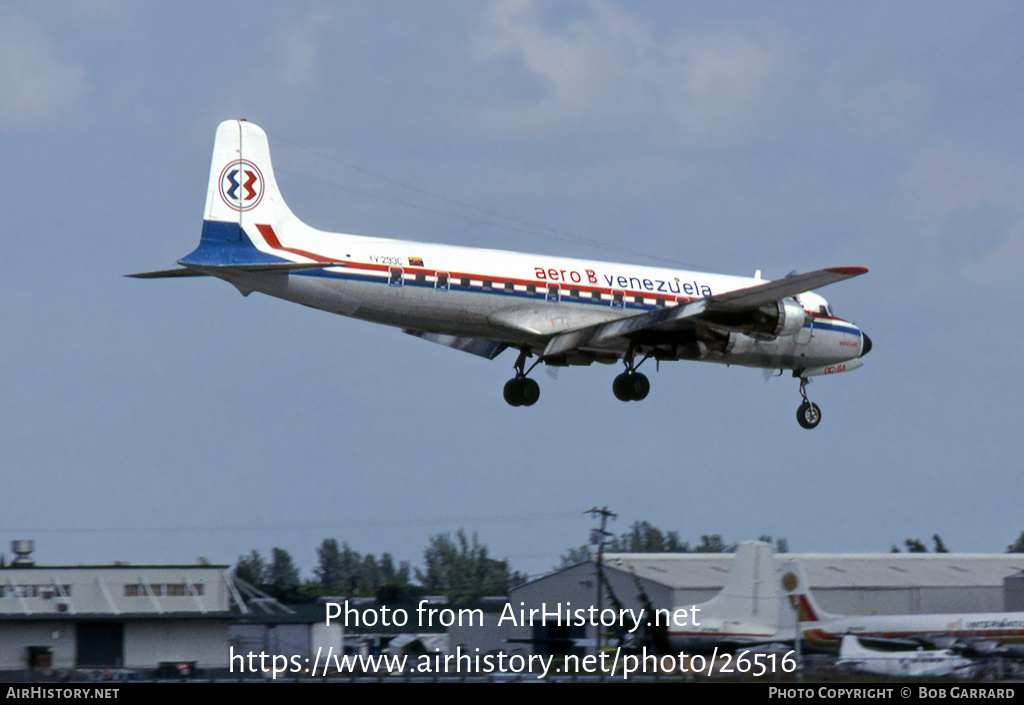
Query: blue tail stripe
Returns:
{"type": "Point", "coordinates": [226, 244]}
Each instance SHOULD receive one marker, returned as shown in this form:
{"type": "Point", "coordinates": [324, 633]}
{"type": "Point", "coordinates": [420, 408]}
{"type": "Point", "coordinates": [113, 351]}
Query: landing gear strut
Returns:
{"type": "Point", "coordinates": [521, 390]}
{"type": "Point", "coordinates": [808, 414]}
{"type": "Point", "coordinates": [631, 385]}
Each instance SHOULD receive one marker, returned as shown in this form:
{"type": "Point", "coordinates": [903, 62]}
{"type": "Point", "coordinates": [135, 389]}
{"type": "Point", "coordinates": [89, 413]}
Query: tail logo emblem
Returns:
{"type": "Point", "coordinates": [241, 185]}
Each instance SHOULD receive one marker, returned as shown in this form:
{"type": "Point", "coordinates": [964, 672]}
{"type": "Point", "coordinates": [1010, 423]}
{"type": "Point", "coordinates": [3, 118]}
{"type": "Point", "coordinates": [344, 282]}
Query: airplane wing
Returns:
{"type": "Point", "coordinates": [773, 291]}
{"type": "Point", "coordinates": [689, 314]}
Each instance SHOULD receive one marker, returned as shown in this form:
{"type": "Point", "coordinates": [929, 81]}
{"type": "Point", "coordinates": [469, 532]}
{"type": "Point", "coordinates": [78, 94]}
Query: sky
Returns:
{"type": "Point", "coordinates": [160, 421]}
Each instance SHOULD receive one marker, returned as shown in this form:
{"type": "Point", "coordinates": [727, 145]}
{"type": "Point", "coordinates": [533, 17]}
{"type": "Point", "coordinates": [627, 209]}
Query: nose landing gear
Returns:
{"type": "Point", "coordinates": [808, 414]}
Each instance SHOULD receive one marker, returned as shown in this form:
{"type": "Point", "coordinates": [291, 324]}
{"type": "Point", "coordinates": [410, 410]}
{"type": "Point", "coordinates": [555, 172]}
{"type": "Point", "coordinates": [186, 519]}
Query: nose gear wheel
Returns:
{"type": "Point", "coordinates": [808, 414]}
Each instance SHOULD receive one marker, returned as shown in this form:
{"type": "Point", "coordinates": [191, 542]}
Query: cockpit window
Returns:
{"type": "Point", "coordinates": [825, 310]}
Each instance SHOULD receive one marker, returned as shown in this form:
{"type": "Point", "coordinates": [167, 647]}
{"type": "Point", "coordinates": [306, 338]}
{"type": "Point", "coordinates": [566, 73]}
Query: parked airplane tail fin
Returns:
{"type": "Point", "coordinates": [751, 593]}
{"type": "Point", "coordinates": [797, 589]}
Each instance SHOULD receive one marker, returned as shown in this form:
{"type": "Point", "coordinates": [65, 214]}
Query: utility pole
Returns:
{"type": "Point", "coordinates": [598, 536]}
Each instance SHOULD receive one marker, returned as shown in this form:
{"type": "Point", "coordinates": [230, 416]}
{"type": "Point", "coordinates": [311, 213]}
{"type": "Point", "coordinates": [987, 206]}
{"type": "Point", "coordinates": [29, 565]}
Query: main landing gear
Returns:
{"type": "Point", "coordinates": [808, 414]}
{"type": "Point", "coordinates": [521, 390]}
{"type": "Point", "coordinates": [631, 385]}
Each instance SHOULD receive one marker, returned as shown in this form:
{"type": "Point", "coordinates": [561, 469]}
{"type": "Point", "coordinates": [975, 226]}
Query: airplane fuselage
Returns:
{"type": "Point", "coordinates": [523, 299]}
{"type": "Point", "coordinates": [994, 627]}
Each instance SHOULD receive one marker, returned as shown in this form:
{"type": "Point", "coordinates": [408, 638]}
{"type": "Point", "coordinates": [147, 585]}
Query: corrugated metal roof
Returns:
{"type": "Point", "coordinates": [834, 570]}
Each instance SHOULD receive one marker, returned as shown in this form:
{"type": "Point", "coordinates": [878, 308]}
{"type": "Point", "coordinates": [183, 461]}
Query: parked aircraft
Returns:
{"type": "Point", "coordinates": [919, 662]}
{"type": "Point", "coordinates": [990, 633]}
{"type": "Point", "coordinates": [750, 610]}
{"type": "Point", "coordinates": [561, 311]}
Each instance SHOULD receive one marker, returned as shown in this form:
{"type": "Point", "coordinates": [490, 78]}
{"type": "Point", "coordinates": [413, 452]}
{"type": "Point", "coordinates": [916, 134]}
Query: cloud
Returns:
{"type": "Point", "coordinates": [297, 47]}
{"type": "Point", "coordinates": [37, 85]}
{"type": "Point", "coordinates": [606, 69]}
{"type": "Point", "coordinates": [964, 202]}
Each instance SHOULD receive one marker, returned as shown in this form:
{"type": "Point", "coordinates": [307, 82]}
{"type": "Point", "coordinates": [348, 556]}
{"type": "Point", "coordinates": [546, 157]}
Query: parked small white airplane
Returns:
{"type": "Point", "coordinates": [750, 610]}
{"type": "Point", "coordinates": [918, 663]}
{"type": "Point", "coordinates": [982, 633]}
{"type": "Point", "coordinates": [563, 311]}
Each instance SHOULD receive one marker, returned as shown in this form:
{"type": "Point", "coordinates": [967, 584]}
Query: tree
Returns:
{"type": "Point", "coordinates": [252, 569]}
{"type": "Point", "coordinates": [282, 576]}
{"type": "Point", "coordinates": [915, 546]}
{"type": "Point", "coordinates": [1017, 546]}
{"type": "Point", "coordinates": [394, 582]}
{"type": "Point", "coordinates": [781, 545]}
{"type": "Point", "coordinates": [575, 556]}
{"type": "Point", "coordinates": [644, 537]}
{"type": "Point", "coordinates": [329, 571]}
{"type": "Point", "coordinates": [462, 570]}
{"type": "Point", "coordinates": [338, 570]}
{"type": "Point", "coordinates": [714, 544]}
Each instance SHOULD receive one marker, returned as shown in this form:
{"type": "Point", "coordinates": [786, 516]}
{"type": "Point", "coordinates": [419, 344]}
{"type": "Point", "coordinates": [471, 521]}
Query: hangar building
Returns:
{"type": "Point", "coordinates": [883, 583]}
{"type": "Point", "coordinates": [122, 616]}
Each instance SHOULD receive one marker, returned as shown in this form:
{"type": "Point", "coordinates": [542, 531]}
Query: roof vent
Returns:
{"type": "Point", "coordinates": [22, 549]}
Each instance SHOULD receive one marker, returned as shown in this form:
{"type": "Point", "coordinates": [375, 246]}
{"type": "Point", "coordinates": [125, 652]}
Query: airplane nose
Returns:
{"type": "Point", "coordinates": [866, 347]}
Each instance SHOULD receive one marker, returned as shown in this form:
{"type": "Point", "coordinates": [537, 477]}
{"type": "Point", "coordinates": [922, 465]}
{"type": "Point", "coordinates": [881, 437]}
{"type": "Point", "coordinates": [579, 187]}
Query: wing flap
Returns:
{"type": "Point", "coordinates": [482, 347]}
{"type": "Point", "coordinates": [593, 336]}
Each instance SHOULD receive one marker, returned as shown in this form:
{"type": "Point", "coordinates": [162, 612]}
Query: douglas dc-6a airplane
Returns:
{"type": "Point", "coordinates": [981, 633]}
{"type": "Point", "coordinates": [561, 311]}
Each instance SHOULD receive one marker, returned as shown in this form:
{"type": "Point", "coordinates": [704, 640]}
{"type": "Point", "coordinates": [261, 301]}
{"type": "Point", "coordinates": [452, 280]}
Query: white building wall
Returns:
{"type": "Point", "coordinates": [147, 644]}
{"type": "Point", "coordinates": [112, 590]}
{"type": "Point", "coordinates": [16, 637]}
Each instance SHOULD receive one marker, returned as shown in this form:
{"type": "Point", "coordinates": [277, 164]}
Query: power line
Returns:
{"type": "Point", "coordinates": [513, 223]}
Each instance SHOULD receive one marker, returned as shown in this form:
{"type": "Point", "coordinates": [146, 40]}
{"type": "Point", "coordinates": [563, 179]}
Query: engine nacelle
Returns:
{"type": "Point", "coordinates": [775, 320]}
{"type": "Point", "coordinates": [778, 320]}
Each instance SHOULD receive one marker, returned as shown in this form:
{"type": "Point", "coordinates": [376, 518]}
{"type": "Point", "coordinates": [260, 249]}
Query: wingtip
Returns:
{"type": "Point", "coordinates": [849, 271]}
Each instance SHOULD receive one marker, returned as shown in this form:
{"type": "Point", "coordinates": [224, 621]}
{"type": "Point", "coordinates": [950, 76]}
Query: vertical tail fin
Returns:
{"type": "Point", "coordinates": [751, 592]}
{"type": "Point", "coordinates": [242, 200]}
{"type": "Point", "coordinates": [242, 185]}
{"type": "Point", "coordinates": [794, 583]}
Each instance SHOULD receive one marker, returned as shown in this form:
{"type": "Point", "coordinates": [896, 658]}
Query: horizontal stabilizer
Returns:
{"type": "Point", "coordinates": [168, 273]}
{"type": "Point", "coordinates": [215, 270]}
